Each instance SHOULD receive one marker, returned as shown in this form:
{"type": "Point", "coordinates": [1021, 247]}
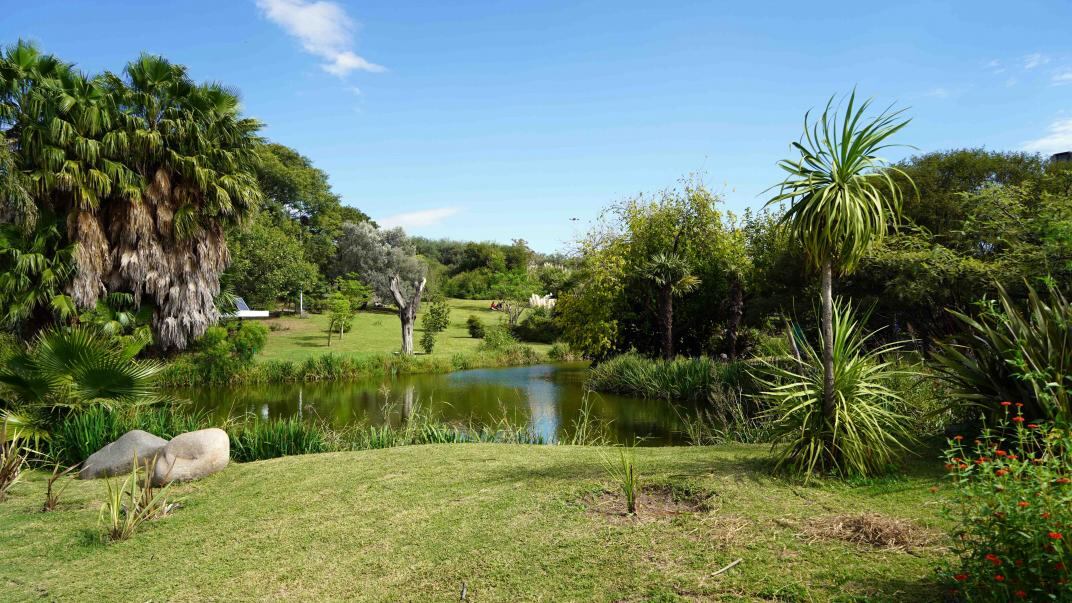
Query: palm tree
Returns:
{"type": "Point", "coordinates": [841, 200]}
{"type": "Point", "coordinates": [35, 265]}
{"type": "Point", "coordinates": [672, 277]}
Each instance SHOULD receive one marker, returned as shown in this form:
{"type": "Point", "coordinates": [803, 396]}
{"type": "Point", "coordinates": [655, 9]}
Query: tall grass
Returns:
{"type": "Point", "coordinates": [183, 371]}
{"type": "Point", "coordinates": [255, 440]}
{"type": "Point", "coordinates": [678, 379]}
{"type": "Point", "coordinates": [728, 417]}
{"type": "Point", "coordinates": [80, 434]}
{"type": "Point", "coordinates": [624, 474]}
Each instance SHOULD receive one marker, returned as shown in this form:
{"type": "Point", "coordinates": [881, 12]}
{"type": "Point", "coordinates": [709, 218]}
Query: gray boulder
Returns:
{"type": "Point", "coordinates": [118, 457]}
{"type": "Point", "coordinates": [192, 455]}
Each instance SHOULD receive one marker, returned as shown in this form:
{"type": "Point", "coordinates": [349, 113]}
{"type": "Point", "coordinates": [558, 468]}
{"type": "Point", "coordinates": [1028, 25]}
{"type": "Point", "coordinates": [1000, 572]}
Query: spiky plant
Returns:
{"type": "Point", "coordinates": [866, 428]}
{"type": "Point", "coordinates": [672, 276]}
{"type": "Point", "coordinates": [72, 368]}
{"type": "Point", "coordinates": [841, 201]}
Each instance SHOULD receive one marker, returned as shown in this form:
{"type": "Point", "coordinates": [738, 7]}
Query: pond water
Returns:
{"type": "Point", "coordinates": [547, 398]}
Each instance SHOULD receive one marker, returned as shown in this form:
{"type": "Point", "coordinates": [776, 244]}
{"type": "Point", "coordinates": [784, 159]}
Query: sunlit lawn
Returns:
{"type": "Point", "coordinates": [374, 333]}
{"type": "Point", "coordinates": [512, 523]}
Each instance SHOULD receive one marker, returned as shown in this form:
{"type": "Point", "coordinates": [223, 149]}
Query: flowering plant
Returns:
{"type": "Point", "coordinates": [1012, 504]}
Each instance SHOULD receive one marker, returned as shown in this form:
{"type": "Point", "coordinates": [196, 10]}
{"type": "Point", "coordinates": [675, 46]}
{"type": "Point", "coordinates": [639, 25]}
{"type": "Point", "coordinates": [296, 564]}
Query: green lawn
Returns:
{"type": "Point", "coordinates": [514, 523]}
{"type": "Point", "coordinates": [374, 333]}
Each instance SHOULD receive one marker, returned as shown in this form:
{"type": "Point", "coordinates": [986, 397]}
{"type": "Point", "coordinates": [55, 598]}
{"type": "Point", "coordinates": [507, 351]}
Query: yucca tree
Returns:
{"type": "Point", "coordinates": [672, 276]}
{"type": "Point", "coordinates": [841, 200]}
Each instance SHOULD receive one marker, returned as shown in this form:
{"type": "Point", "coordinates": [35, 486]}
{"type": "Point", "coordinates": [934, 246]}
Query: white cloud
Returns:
{"type": "Point", "coordinates": [995, 67]}
{"type": "Point", "coordinates": [323, 28]}
{"type": "Point", "coordinates": [937, 93]}
{"type": "Point", "coordinates": [1057, 140]}
{"type": "Point", "coordinates": [1062, 77]}
{"type": "Point", "coordinates": [1034, 60]}
{"type": "Point", "coordinates": [418, 219]}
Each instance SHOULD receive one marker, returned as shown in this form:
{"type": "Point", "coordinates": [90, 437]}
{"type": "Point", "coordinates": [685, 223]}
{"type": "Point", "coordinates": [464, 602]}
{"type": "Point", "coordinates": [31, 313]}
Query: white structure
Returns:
{"type": "Point", "coordinates": [546, 301]}
{"type": "Point", "coordinates": [245, 312]}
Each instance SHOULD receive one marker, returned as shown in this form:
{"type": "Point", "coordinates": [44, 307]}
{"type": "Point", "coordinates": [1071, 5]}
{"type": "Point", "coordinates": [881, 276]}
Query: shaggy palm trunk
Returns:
{"type": "Point", "coordinates": [828, 340]}
{"type": "Point", "coordinates": [666, 306]}
{"type": "Point", "coordinates": [407, 310]}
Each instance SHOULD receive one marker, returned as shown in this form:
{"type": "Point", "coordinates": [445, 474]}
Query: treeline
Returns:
{"type": "Point", "coordinates": [488, 270]}
{"type": "Point", "coordinates": [674, 273]}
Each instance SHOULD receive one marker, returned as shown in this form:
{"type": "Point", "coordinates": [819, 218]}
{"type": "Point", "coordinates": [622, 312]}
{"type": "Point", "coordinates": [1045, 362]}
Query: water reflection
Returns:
{"type": "Point", "coordinates": [548, 398]}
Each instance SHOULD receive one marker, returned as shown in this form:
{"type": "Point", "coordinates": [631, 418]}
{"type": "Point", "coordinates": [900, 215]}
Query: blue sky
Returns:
{"type": "Point", "coordinates": [498, 120]}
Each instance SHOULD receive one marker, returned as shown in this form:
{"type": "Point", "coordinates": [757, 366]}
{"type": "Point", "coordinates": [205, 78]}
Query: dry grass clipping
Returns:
{"type": "Point", "coordinates": [869, 529]}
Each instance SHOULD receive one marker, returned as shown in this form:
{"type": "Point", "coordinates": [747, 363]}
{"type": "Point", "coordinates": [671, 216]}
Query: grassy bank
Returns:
{"type": "Point", "coordinates": [513, 523]}
{"type": "Point", "coordinates": [678, 379]}
{"type": "Point", "coordinates": [297, 350]}
{"type": "Point", "coordinates": [296, 339]}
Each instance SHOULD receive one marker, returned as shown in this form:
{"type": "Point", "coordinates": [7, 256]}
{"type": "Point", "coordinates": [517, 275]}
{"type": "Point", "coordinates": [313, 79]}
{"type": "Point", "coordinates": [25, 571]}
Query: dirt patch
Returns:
{"type": "Point", "coordinates": [872, 530]}
{"type": "Point", "coordinates": [653, 503]}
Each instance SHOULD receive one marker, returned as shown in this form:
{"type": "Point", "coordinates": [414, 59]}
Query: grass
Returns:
{"type": "Point", "coordinates": [296, 339]}
{"type": "Point", "coordinates": [509, 522]}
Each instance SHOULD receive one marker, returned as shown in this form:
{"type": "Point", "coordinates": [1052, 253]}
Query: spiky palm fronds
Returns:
{"type": "Point", "coordinates": [78, 367]}
{"type": "Point", "coordinates": [35, 265]}
{"type": "Point", "coordinates": [867, 428]}
{"type": "Point", "coordinates": [841, 194]}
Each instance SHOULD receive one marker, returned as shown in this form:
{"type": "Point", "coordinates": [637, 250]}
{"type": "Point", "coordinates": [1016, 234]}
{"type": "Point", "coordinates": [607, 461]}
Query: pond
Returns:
{"type": "Point", "coordinates": [548, 398]}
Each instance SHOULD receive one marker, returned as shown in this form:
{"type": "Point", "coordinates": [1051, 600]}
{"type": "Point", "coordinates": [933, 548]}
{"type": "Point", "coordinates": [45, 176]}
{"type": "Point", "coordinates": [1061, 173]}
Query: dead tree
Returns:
{"type": "Point", "coordinates": [407, 309]}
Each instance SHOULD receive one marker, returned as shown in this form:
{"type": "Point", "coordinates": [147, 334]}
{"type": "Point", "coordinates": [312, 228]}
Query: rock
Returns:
{"type": "Point", "coordinates": [192, 455]}
{"type": "Point", "coordinates": [118, 457]}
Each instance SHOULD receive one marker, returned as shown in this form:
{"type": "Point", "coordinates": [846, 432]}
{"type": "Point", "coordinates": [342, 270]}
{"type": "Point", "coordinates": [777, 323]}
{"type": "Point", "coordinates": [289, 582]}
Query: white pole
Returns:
{"type": "Point", "coordinates": [301, 302]}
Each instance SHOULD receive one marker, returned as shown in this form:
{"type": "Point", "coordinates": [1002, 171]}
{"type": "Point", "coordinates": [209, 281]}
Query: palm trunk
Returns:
{"type": "Point", "coordinates": [666, 306]}
{"type": "Point", "coordinates": [828, 341]}
{"type": "Point", "coordinates": [736, 313]}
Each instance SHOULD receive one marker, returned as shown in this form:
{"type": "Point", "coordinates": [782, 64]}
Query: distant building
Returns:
{"type": "Point", "coordinates": [1065, 157]}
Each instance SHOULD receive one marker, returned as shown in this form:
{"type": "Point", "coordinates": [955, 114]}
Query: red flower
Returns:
{"type": "Point", "coordinates": [961, 577]}
{"type": "Point", "coordinates": [1019, 563]}
{"type": "Point", "coordinates": [1020, 594]}
{"type": "Point", "coordinates": [1000, 452]}
{"type": "Point", "coordinates": [1059, 566]}
{"type": "Point", "coordinates": [1063, 480]}
{"type": "Point", "coordinates": [1018, 419]}
{"type": "Point", "coordinates": [1019, 405]}
{"type": "Point", "coordinates": [1032, 426]}
{"type": "Point", "coordinates": [1006, 403]}
{"type": "Point", "coordinates": [1055, 535]}
{"type": "Point", "coordinates": [1001, 472]}
{"type": "Point", "coordinates": [1023, 504]}
{"type": "Point", "coordinates": [1046, 515]}
{"type": "Point", "coordinates": [992, 558]}
{"type": "Point", "coordinates": [959, 438]}
{"type": "Point", "coordinates": [999, 577]}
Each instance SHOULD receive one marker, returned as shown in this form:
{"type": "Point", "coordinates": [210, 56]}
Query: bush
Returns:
{"type": "Point", "coordinates": [1012, 504]}
{"type": "Point", "coordinates": [678, 379]}
{"type": "Point", "coordinates": [538, 327]}
{"type": "Point", "coordinates": [476, 327]}
{"type": "Point", "coordinates": [561, 352]}
{"type": "Point", "coordinates": [248, 339]}
{"type": "Point", "coordinates": [1008, 354]}
{"type": "Point", "coordinates": [867, 429]}
{"type": "Point", "coordinates": [497, 338]}
{"type": "Point", "coordinates": [428, 341]}
{"type": "Point", "coordinates": [257, 440]}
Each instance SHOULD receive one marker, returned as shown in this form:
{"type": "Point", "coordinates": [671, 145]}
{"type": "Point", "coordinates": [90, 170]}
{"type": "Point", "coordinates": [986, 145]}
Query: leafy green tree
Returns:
{"type": "Point", "coordinates": [35, 265]}
{"type": "Point", "coordinates": [841, 201]}
{"type": "Point", "coordinates": [357, 292]}
{"type": "Point", "coordinates": [436, 320]}
{"type": "Point", "coordinates": [340, 314]}
{"type": "Point", "coordinates": [268, 265]}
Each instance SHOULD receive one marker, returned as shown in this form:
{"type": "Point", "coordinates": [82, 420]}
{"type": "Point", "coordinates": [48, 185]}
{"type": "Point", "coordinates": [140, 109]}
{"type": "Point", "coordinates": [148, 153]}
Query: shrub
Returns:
{"type": "Point", "coordinates": [561, 352]}
{"type": "Point", "coordinates": [248, 339]}
{"type": "Point", "coordinates": [497, 338]}
{"type": "Point", "coordinates": [678, 379]}
{"type": "Point", "coordinates": [428, 341]}
{"type": "Point", "coordinates": [131, 503]}
{"type": "Point", "coordinates": [538, 326]}
{"type": "Point", "coordinates": [867, 429]}
{"type": "Point", "coordinates": [1012, 504]}
{"type": "Point", "coordinates": [1009, 354]}
{"type": "Point", "coordinates": [12, 460]}
{"type": "Point", "coordinates": [476, 327]}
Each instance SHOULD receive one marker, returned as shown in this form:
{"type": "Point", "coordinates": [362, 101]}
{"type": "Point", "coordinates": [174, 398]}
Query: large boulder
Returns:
{"type": "Point", "coordinates": [192, 455]}
{"type": "Point", "coordinates": [118, 457]}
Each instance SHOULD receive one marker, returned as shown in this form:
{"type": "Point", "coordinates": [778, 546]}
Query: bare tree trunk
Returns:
{"type": "Point", "coordinates": [666, 303]}
{"type": "Point", "coordinates": [736, 312]}
{"type": "Point", "coordinates": [407, 310]}
{"type": "Point", "coordinates": [828, 340]}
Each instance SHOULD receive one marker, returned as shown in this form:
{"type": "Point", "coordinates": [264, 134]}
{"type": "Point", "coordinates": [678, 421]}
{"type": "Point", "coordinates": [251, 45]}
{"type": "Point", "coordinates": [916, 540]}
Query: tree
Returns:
{"type": "Point", "coordinates": [407, 308]}
{"type": "Point", "coordinates": [35, 264]}
{"type": "Point", "coordinates": [386, 261]}
{"type": "Point", "coordinates": [268, 264]}
{"type": "Point", "coordinates": [841, 200]}
{"type": "Point", "coordinates": [354, 290]}
{"type": "Point", "coordinates": [672, 276]}
{"type": "Point", "coordinates": [435, 321]}
{"type": "Point", "coordinates": [147, 168]}
{"type": "Point", "coordinates": [340, 314]}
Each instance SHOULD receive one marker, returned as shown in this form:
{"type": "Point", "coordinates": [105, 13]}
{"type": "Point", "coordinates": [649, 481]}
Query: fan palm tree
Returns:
{"type": "Point", "coordinates": [672, 277]}
{"type": "Point", "coordinates": [841, 200]}
{"type": "Point", "coordinates": [35, 265]}
{"type": "Point", "coordinates": [75, 367]}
